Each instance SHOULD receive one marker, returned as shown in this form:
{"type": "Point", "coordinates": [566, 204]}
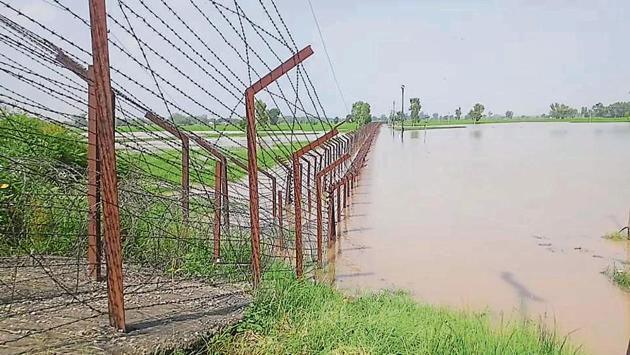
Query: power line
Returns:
{"type": "Point", "coordinates": [332, 69]}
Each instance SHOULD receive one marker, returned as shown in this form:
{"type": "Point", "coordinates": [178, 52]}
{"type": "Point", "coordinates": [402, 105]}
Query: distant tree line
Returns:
{"type": "Point", "coordinates": [614, 110]}
{"type": "Point", "coordinates": [562, 111]}
{"type": "Point", "coordinates": [361, 114]}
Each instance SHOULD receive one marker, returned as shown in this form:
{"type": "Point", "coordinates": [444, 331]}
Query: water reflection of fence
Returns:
{"type": "Point", "coordinates": [69, 197]}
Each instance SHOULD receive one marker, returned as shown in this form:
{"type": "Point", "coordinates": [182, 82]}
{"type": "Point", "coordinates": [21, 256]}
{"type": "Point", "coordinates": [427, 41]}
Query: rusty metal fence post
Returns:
{"type": "Point", "coordinates": [321, 175]}
{"type": "Point", "coordinates": [252, 162]}
{"type": "Point", "coordinates": [297, 190]}
{"type": "Point", "coordinates": [280, 221]}
{"type": "Point", "coordinates": [105, 114]}
{"type": "Point", "coordinates": [308, 186]}
{"type": "Point", "coordinates": [332, 233]}
{"type": "Point", "coordinates": [94, 194]}
{"type": "Point", "coordinates": [297, 201]}
{"type": "Point", "coordinates": [218, 182]}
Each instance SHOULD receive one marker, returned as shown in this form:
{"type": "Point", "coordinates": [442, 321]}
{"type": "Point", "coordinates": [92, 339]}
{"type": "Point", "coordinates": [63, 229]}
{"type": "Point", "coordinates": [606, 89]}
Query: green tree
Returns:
{"type": "Point", "coordinates": [599, 110]}
{"type": "Point", "coordinates": [274, 116]}
{"type": "Point", "coordinates": [476, 113]}
{"type": "Point", "coordinates": [562, 111]}
{"type": "Point", "coordinates": [617, 109]}
{"type": "Point", "coordinates": [458, 113]}
{"type": "Point", "coordinates": [414, 107]}
{"type": "Point", "coordinates": [509, 114]}
{"type": "Point", "coordinates": [361, 112]}
{"type": "Point", "coordinates": [262, 116]}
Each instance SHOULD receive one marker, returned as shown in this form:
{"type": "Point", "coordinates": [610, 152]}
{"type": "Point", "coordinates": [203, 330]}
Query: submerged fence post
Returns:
{"type": "Point", "coordinates": [332, 233]}
{"type": "Point", "coordinates": [105, 114]}
{"type": "Point", "coordinates": [94, 193]}
{"type": "Point", "coordinates": [338, 203]}
{"type": "Point", "coordinates": [345, 193]}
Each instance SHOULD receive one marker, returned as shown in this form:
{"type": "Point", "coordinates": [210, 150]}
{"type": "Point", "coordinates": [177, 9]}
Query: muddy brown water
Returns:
{"type": "Point", "coordinates": [506, 218]}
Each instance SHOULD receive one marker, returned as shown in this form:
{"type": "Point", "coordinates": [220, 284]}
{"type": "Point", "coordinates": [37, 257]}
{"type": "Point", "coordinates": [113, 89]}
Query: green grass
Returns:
{"type": "Point", "coordinates": [314, 126]}
{"type": "Point", "coordinates": [619, 275]}
{"type": "Point", "coordinates": [300, 317]}
{"type": "Point", "coordinates": [621, 278]}
{"type": "Point", "coordinates": [165, 164]}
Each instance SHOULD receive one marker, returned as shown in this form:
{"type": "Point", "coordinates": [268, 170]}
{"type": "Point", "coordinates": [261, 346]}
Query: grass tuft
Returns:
{"type": "Point", "coordinates": [616, 236]}
{"type": "Point", "coordinates": [300, 317]}
{"type": "Point", "coordinates": [620, 276]}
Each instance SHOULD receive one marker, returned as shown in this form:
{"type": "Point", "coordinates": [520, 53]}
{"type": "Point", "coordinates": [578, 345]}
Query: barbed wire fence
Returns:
{"type": "Point", "coordinates": [108, 172]}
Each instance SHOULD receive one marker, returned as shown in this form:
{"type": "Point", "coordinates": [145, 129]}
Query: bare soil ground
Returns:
{"type": "Point", "coordinates": [49, 305]}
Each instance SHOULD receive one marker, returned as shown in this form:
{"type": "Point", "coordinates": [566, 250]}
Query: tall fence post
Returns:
{"type": "Point", "coordinates": [345, 193]}
{"type": "Point", "coordinates": [218, 182]}
{"type": "Point", "coordinates": [105, 114]}
{"type": "Point", "coordinates": [297, 186]}
{"type": "Point", "coordinates": [319, 218]}
{"type": "Point", "coordinates": [280, 221]}
{"type": "Point", "coordinates": [332, 233]}
{"type": "Point", "coordinates": [185, 178]}
{"type": "Point", "coordinates": [318, 202]}
{"type": "Point", "coordinates": [252, 163]}
{"type": "Point", "coordinates": [338, 203]}
{"type": "Point", "coordinates": [308, 187]}
{"type": "Point", "coordinates": [94, 194]}
{"type": "Point", "coordinates": [297, 190]}
{"type": "Point", "coordinates": [226, 199]}
{"type": "Point", "coordinates": [274, 201]}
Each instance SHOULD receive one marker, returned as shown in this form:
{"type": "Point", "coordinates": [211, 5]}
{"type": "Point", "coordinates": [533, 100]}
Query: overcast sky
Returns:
{"type": "Point", "coordinates": [519, 55]}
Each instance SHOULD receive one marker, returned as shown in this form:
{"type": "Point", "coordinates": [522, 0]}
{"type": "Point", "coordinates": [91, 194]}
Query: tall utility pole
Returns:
{"type": "Point", "coordinates": [402, 108]}
{"type": "Point", "coordinates": [393, 115]}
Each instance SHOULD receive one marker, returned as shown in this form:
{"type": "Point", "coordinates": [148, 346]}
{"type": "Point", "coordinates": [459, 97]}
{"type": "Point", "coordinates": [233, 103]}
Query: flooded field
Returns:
{"type": "Point", "coordinates": [506, 218]}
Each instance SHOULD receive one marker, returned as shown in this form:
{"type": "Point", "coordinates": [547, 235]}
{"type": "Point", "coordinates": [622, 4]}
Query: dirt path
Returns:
{"type": "Point", "coordinates": [55, 308]}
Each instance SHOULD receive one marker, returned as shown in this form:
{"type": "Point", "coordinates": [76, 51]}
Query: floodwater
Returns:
{"type": "Point", "coordinates": [506, 218]}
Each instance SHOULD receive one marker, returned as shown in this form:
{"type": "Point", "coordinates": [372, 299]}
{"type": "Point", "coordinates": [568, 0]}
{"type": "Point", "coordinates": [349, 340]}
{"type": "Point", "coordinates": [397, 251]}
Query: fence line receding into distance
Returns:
{"type": "Point", "coordinates": [138, 155]}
